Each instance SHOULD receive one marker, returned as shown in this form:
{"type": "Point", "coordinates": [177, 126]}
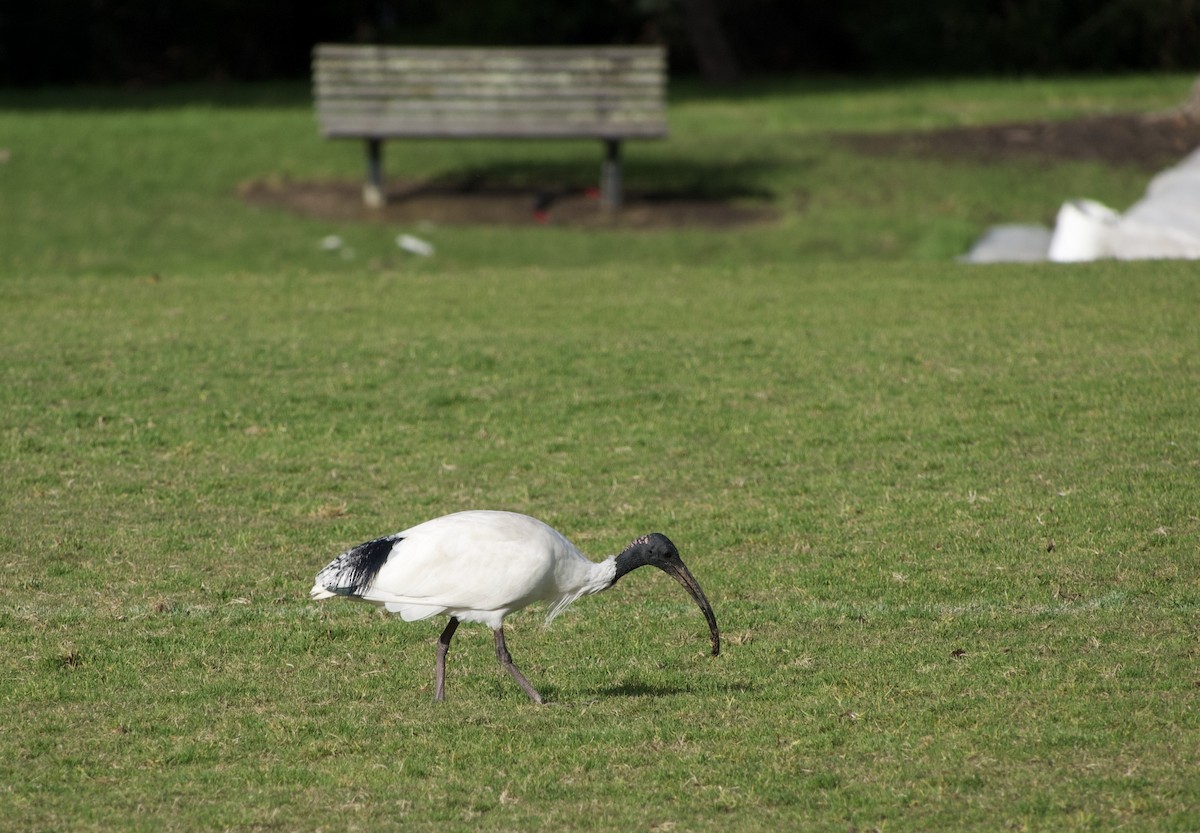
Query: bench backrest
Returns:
{"type": "Point", "coordinates": [538, 92]}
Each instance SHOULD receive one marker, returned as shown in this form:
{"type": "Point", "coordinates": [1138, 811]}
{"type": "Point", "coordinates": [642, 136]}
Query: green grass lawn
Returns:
{"type": "Point", "coordinates": [947, 516]}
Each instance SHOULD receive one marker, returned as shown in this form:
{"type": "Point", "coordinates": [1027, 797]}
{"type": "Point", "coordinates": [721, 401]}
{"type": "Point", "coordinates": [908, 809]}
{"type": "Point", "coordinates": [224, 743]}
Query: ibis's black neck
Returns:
{"type": "Point", "coordinates": [654, 548]}
{"type": "Point", "coordinates": [633, 557]}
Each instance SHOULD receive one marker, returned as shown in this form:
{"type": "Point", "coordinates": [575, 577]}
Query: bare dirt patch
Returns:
{"type": "Point", "coordinates": [477, 201]}
{"type": "Point", "coordinates": [1147, 142]}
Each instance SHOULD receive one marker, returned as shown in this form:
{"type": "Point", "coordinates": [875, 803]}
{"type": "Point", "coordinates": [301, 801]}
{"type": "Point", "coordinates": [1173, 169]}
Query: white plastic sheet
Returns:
{"type": "Point", "coordinates": [1165, 223]}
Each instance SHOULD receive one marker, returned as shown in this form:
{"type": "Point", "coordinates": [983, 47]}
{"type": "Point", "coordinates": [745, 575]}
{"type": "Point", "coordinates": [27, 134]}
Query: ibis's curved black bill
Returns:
{"type": "Point", "coordinates": [679, 571]}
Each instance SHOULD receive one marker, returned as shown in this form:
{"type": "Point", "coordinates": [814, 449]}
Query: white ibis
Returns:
{"type": "Point", "coordinates": [479, 566]}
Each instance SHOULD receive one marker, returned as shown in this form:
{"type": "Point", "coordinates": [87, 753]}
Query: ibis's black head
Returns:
{"type": "Point", "coordinates": [656, 550]}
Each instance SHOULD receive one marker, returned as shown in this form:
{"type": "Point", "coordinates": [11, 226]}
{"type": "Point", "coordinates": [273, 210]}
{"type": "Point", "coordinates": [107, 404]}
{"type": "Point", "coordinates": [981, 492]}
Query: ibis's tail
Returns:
{"type": "Point", "coordinates": [353, 572]}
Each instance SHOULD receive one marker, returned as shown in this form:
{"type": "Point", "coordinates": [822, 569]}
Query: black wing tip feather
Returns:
{"type": "Point", "coordinates": [361, 565]}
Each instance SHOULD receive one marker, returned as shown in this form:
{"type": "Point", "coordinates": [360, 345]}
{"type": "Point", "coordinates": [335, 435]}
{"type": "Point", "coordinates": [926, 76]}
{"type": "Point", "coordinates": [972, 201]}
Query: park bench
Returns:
{"type": "Point", "coordinates": [375, 93]}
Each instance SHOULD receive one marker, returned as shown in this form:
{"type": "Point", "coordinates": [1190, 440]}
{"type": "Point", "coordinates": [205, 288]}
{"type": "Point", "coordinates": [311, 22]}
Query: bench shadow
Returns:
{"type": "Point", "coordinates": [651, 179]}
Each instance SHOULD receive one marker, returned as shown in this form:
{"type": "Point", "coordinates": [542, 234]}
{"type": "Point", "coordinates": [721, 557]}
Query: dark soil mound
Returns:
{"type": "Point", "coordinates": [1146, 142]}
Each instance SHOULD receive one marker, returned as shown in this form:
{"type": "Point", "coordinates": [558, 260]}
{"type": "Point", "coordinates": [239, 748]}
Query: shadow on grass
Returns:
{"type": "Point", "coordinates": [657, 178]}
{"type": "Point", "coordinates": [640, 688]}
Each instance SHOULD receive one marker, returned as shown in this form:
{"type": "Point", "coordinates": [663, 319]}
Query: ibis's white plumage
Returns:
{"type": "Point", "coordinates": [475, 566]}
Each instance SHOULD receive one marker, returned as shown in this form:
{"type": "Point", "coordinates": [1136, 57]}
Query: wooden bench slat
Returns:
{"type": "Point", "coordinates": [560, 74]}
{"type": "Point", "coordinates": [488, 53]}
{"type": "Point", "coordinates": [435, 90]}
{"type": "Point", "coordinates": [510, 94]}
{"type": "Point", "coordinates": [333, 79]}
{"type": "Point", "coordinates": [403, 59]}
{"type": "Point", "coordinates": [328, 83]}
{"type": "Point", "coordinates": [531, 104]}
{"type": "Point", "coordinates": [366, 126]}
{"type": "Point", "coordinates": [384, 129]}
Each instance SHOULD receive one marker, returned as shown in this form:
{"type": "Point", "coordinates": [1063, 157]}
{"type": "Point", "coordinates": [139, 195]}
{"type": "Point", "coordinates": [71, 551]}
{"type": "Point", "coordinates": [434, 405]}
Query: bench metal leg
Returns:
{"type": "Point", "coordinates": [373, 194]}
{"type": "Point", "coordinates": [610, 175]}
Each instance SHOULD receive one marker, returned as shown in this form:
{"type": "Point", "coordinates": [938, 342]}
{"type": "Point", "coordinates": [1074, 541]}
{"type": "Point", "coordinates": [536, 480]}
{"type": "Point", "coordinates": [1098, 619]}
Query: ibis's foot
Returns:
{"type": "Point", "coordinates": [443, 648]}
{"type": "Point", "coordinates": [507, 664]}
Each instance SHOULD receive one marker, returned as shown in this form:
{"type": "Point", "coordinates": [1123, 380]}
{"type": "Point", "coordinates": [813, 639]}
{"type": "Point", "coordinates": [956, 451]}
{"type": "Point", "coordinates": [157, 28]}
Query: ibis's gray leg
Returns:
{"type": "Point", "coordinates": [439, 683]}
{"type": "Point", "coordinates": [507, 664]}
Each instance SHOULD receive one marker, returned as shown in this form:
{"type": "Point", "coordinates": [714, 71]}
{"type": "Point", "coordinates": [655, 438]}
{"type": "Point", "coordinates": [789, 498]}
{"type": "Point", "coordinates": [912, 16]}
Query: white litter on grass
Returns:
{"type": "Point", "coordinates": [333, 243]}
{"type": "Point", "coordinates": [1165, 223]}
{"type": "Point", "coordinates": [415, 245]}
{"type": "Point", "coordinates": [1011, 244]}
{"type": "Point", "coordinates": [1081, 231]}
